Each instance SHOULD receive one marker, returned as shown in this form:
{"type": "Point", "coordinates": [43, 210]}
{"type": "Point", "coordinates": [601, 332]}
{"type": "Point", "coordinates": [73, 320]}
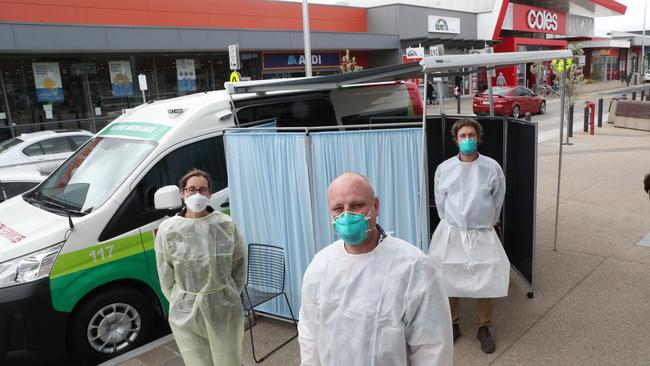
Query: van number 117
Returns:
{"type": "Point", "coordinates": [102, 253]}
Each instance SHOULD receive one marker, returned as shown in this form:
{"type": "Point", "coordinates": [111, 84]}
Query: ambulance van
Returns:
{"type": "Point", "coordinates": [77, 266]}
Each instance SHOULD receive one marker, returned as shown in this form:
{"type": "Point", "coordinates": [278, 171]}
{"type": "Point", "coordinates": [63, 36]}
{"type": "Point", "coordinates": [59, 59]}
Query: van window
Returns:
{"type": "Point", "coordinates": [289, 111]}
{"type": "Point", "coordinates": [138, 209]}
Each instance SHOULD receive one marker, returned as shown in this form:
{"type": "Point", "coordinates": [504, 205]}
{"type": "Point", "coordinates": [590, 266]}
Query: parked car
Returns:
{"type": "Point", "coordinates": [14, 181]}
{"type": "Point", "coordinates": [509, 101]}
{"type": "Point", "coordinates": [646, 76]}
{"type": "Point", "coordinates": [43, 150]}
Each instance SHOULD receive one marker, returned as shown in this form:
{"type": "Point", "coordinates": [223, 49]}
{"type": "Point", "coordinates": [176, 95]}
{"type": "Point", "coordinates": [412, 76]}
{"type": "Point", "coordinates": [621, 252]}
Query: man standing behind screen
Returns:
{"type": "Point", "coordinates": [469, 190]}
{"type": "Point", "coordinates": [370, 298]}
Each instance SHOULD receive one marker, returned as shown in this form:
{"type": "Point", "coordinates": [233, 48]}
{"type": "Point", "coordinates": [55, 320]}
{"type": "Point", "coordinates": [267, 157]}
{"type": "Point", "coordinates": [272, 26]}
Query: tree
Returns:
{"type": "Point", "coordinates": [349, 64]}
{"type": "Point", "coordinates": [574, 77]}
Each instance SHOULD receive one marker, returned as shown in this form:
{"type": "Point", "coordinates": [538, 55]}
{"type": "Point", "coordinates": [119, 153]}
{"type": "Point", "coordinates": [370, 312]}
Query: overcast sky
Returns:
{"type": "Point", "coordinates": [632, 20]}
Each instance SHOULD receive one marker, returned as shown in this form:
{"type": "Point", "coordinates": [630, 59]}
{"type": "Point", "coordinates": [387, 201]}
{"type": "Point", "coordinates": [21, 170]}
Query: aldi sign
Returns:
{"type": "Point", "coordinates": [296, 60]}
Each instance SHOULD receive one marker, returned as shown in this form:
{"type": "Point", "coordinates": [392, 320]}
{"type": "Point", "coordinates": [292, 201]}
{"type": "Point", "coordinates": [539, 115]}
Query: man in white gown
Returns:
{"type": "Point", "coordinates": [469, 192]}
{"type": "Point", "coordinates": [370, 299]}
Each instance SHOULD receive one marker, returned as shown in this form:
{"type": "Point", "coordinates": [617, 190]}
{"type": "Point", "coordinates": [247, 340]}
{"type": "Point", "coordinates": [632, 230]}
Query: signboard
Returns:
{"type": "Point", "coordinates": [581, 61]}
{"type": "Point", "coordinates": [233, 55]}
{"type": "Point", "coordinates": [540, 20]}
{"type": "Point", "coordinates": [437, 50]}
{"type": "Point", "coordinates": [414, 52]}
{"type": "Point", "coordinates": [293, 60]}
{"type": "Point", "coordinates": [121, 78]}
{"type": "Point", "coordinates": [440, 24]}
{"type": "Point", "coordinates": [186, 75]}
{"type": "Point", "coordinates": [142, 81]}
{"type": "Point", "coordinates": [48, 81]}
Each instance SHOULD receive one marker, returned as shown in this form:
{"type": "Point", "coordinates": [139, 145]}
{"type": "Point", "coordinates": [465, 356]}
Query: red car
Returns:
{"type": "Point", "coordinates": [509, 101]}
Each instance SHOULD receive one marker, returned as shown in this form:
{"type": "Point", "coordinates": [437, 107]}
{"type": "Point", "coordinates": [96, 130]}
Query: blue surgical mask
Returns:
{"type": "Point", "coordinates": [352, 227]}
{"type": "Point", "coordinates": [467, 146]}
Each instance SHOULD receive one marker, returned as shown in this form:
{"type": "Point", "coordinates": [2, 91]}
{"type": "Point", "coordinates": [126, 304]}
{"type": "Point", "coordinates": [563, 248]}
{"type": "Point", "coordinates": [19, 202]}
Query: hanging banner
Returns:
{"type": "Point", "coordinates": [48, 81]}
{"type": "Point", "coordinates": [186, 74]}
{"type": "Point", "coordinates": [121, 78]}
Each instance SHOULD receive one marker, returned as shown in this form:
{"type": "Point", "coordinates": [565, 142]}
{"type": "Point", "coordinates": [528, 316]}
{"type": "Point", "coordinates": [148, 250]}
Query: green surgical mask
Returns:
{"type": "Point", "coordinates": [352, 227]}
{"type": "Point", "coordinates": [467, 146]}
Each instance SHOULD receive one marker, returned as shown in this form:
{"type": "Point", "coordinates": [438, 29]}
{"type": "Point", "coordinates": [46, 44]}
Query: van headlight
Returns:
{"type": "Point", "coordinates": [30, 267]}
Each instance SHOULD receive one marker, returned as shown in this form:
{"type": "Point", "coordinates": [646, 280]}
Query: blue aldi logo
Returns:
{"type": "Point", "coordinates": [287, 60]}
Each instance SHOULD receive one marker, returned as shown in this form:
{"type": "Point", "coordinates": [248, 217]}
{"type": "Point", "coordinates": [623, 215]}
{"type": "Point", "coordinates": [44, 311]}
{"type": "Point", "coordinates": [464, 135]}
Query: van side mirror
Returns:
{"type": "Point", "coordinates": [167, 198]}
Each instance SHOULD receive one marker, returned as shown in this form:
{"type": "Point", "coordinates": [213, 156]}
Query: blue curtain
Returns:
{"type": "Point", "coordinates": [270, 188]}
{"type": "Point", "coordinates": [269, 200]}
{"type": "Point", "coordinates": [391, 159]}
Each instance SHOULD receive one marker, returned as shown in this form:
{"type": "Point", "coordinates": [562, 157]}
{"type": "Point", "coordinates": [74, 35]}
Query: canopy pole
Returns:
{"type": "Point", "coordinates": [424, 178]}
{"type": "Point", "coordinates": [489, 82]}
{"type": "Point", "coordinates": [441, 96]}
{"type": "Point", "coordinates": [559, 165]}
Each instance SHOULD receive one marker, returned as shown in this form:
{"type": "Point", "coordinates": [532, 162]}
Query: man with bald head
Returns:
{"type": "Point", "coordinates": [370, 298]}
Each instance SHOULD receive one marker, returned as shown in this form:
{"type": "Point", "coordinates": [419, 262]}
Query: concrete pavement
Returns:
{"type": "Point", "coordinates": [592, 295]}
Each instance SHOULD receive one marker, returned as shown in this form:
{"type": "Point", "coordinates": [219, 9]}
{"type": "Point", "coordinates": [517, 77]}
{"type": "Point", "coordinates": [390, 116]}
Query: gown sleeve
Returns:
{"type": "Point", "coordinates": [240, 262]}
{"type": "Point", "coordinates": [498, 192]}
{"type": "Point", "coordinates": [308, 323]}
{"type": "Point", "coordinates": [164, 264]}
{"type": "Point", "coordinates": [440, 196]}
{"type": "Point", "coordinates": [427, 318]}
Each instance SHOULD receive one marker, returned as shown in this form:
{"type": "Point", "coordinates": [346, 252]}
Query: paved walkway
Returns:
{"type": "Point", "coordinates": [592, 294]}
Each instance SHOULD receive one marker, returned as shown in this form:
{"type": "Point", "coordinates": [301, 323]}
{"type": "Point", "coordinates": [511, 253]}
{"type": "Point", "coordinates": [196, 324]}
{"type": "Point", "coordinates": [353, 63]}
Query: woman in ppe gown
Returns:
{"type": "Point", "coordinates": [201, 260]}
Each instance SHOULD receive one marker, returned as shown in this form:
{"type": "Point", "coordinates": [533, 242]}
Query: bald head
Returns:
{"type": "Point", "coordinates": [351, 179]}
{"type": "Point", "coordinates": [352, 192]}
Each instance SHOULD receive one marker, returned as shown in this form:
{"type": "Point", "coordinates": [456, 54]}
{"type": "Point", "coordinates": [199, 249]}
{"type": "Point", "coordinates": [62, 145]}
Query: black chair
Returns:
{"type": "Point", "coordinates": [265, 282]}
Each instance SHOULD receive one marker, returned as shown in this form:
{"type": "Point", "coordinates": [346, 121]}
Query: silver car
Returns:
{"type": "Point", "coordinates": [43, 150]}
{"type": "Point", "coordinates": [14, 181]}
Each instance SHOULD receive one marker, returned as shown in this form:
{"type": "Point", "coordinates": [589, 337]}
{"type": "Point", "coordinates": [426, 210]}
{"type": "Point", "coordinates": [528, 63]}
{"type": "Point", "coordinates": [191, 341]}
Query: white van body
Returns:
{"type": "Point", "coordinates": [77, 266]}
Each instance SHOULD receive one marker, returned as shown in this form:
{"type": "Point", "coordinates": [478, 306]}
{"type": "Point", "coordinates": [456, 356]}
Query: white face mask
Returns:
{"type": "Point", "coordinates": [197, 202]}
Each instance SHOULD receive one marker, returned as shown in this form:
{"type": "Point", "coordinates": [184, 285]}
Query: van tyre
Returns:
{"type": "Point", "coordinates": [110, 323]}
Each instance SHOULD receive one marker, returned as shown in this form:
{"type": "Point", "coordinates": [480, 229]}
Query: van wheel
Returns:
{"type": "Point", "coordinates": [110, 323]}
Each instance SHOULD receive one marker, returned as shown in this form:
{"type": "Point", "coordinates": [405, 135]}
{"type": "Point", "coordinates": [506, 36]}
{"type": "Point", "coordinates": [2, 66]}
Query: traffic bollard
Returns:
{"type": "Point", "coordinates": [527, 116]}
{"type": "Point", "coordinates": [643, 94]}
{"type": "Point", "coordinates": [458, 104]}
{"type": "Point", "coordinates": [633, 95]}
{"type": "Point", "coordinates": [570, 123]}
{"type": "Point", "coordinates": [600, 112]}
{"type": "Point", "coordinates": [585, 127]}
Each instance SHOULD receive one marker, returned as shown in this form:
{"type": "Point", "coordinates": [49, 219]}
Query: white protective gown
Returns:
{"type": "Point", "coordinates": [387, 307]}
{"type": "Point", "coordinates": [202, 271]}
{"type": "Point", "coordinates": [469, 196]}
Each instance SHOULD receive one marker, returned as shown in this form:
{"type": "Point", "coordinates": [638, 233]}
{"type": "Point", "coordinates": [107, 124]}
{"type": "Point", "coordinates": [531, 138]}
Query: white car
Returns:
{"type": "Point", "coordinates": [14, 181]}
{"type": "Point", "coordinates": [43, 150]}
{"type": "Point", "coordinates": [646, 76]}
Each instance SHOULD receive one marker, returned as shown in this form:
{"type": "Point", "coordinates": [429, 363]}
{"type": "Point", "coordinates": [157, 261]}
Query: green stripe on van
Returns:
{"type": "Point", "coordinates": [143, 130]}
{"type": "Point", "coordinates": [96, 255]}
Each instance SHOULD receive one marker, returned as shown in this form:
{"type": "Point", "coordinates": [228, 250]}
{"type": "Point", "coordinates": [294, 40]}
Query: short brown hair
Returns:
{"type": "Point", "coordinates": [195, 173]}
{"type": "Point", "coordinates": [463, 122]}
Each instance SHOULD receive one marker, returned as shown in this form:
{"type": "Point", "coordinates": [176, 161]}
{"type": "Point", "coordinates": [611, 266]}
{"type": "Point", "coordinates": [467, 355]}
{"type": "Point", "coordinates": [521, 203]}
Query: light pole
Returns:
{"type": "Point", "coordinates": [305, 32]}
{"type": "Point", "coordinates": [641, 64]}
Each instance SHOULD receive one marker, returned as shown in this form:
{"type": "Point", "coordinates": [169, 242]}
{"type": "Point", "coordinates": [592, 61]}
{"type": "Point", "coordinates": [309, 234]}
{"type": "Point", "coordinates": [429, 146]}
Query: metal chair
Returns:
{"type": "Point", "coordinates": [265, 282]}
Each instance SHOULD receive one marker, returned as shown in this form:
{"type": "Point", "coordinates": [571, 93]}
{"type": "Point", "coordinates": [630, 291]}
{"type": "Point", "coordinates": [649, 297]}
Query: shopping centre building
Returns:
{"type": "Point", "coordinates": [75, 63]}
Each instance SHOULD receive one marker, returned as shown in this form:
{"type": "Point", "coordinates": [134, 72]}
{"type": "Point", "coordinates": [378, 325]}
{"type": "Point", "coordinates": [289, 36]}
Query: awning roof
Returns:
{"type": "Point", "coordinates": [437, 65]}
{"type": "Point", "coordinates": [449, 42]}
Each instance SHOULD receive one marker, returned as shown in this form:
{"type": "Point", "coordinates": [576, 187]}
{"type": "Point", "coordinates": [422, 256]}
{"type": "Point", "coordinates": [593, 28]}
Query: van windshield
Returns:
{"type": "Point", "coordinates": [92, 174]}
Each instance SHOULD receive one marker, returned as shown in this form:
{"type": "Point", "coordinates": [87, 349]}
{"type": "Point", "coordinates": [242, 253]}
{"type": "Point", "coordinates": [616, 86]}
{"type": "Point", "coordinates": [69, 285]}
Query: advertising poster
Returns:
{"type": "Point", "coordinates": [121, 78]}
{"type": "Point", "coordinates": [186, 75]}
{"type": "Point", "coordinates": [48, 82]}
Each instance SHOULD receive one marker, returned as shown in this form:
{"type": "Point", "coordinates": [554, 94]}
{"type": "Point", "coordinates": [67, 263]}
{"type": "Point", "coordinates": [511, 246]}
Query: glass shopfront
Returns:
{"type": "Point", "coordinates": [605, 65]}
{"type": "Point", "coordinates": [40, 92]}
